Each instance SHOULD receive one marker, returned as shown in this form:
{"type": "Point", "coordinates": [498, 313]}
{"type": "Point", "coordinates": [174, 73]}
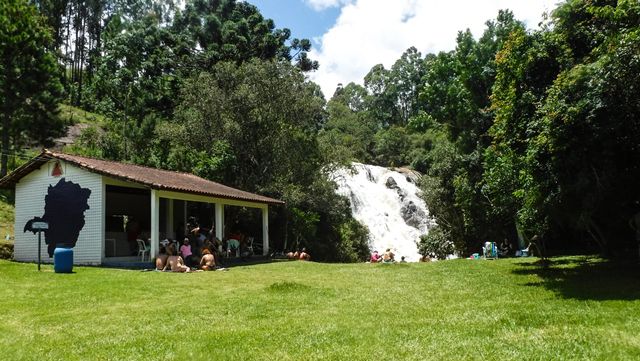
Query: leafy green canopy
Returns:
{"type": "Point", "coordinates": [211, 89]}
{"type": "Point", "coordinates": [29, 84]}
{"type": "Point", "coordinates": [255, 126]}
{"type": "Point", "coordinates": [148, 52]}
{"type": "Point", "coordinates": [565, 138]}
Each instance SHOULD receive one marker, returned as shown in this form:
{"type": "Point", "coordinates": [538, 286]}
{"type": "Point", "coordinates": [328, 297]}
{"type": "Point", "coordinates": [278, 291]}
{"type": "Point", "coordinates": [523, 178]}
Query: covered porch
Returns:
{"type": "Point", "coordinates": [134, 212]}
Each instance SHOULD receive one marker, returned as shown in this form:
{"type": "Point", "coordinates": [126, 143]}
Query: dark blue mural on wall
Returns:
{"type": "Point", "coordinates": [64, 207]}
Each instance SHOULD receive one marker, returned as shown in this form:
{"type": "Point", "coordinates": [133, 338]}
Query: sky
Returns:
{"type": "Point", "coordinates": [349, 37]}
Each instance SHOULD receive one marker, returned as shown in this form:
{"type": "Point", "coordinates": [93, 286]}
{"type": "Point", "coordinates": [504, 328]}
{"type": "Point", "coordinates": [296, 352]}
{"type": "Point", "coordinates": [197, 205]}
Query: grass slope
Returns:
{"type": "Point", "coordinates": [71, 115]}
{"type": "Point", "coordinates": [581, 309]}
{"type": "Point", "coordinates": [6, 219]}
{"type": "Point", "coordinates": [75, 115]}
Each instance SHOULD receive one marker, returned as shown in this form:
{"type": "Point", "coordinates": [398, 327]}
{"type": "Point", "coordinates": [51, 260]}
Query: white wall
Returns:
{"type": "Point", "coordinates": [30, 193]}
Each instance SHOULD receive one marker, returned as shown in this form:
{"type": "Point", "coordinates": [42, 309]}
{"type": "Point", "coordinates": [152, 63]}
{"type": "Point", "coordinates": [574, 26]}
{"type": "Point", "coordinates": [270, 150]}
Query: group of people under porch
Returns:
{"type": "Point", "coordinates": [202, 250]}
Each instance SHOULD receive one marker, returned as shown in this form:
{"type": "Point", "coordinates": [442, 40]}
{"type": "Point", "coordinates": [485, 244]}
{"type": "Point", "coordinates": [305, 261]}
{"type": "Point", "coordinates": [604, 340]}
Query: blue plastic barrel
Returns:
{"type": "Point", "coordinates": [63, 260]}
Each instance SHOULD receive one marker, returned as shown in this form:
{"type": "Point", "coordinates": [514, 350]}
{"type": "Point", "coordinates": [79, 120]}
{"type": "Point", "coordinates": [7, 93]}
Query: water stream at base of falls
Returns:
{"type": "Point", "coordinates": [387, 202]}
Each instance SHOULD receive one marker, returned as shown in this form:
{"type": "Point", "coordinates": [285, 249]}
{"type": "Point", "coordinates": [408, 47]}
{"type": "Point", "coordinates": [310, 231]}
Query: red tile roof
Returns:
{"type": "Point", "coordinates": [151, 177]}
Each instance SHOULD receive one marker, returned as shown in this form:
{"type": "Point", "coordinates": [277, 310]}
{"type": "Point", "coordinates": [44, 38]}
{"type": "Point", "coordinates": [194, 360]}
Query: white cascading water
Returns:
{"type": "Point", "coordinates": [387, 202]}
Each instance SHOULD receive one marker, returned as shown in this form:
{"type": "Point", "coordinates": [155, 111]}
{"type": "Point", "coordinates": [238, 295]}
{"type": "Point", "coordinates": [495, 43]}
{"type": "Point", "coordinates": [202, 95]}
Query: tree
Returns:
{"type": "Point", "coordinates": [380, 103]}
{"type": "Point", "coordinates": [347, 135]}
{"type": "Point", "coordinates": [29, 85]}
{"type": "Point", "coordinates": [455, 100]}
{"type": "Point", "coordinates": [149, 49]}
{"type": "Point", "coordinates": [394, 93]}
{"type": "Point", "coordinates": [406, 83]}
{"type": "Point", "coordinates": [564, 150]}
{"type": "Point", "coordinates": [267, 115]}
{"type": "Point", "coordinates": [255, 126]}
{"type": "Point", "coordinates": [391, 147]}
{"type": "Point", "coordinates": [526, 67]}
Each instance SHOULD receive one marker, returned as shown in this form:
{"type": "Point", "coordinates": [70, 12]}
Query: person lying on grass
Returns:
{"type": "Point", "coordinates": [174, 262]}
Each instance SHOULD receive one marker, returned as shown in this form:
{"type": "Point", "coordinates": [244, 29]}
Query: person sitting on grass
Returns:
{"type": "Point", "coordinates": [375, 257]}
{"type": "Point", "coordinates": [388, 256]}
{"type": "Point", "coordinates": [175, 262]}
{"type": "Point", "coordinates": [208, 262]}
{"type": "Point", "coordinates": [161, 260]}
{"type": "Point", "coordinates": [505, 248]}
{"type": "Point", "coordinates": [186, 252]}
{"type": "Point", "coordinates": [304, 256]}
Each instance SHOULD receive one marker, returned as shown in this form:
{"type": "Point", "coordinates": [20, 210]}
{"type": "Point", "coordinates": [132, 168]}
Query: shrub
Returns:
{"type": "Point", "coordinates": [436, 244]}
{"type": "Point", "coordinates": [353, 246]}
{"type": "Point", "coordinates": [6, 250]}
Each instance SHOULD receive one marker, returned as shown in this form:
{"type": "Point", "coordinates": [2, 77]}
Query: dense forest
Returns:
{"type": "Point", "coordinates": [519, 133]}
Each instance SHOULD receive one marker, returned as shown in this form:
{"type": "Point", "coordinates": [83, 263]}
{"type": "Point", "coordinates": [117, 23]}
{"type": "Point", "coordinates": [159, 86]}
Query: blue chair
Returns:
{"type": "Point", "coordinates": [490, 250]}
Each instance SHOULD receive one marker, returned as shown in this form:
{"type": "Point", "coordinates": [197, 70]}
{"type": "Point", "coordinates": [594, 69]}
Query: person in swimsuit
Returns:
{"type": "Point", "coordinates": [208, 262]}
{"type": "Point", "coordinates": [388, 256]}
{"type": "Point", "coordinates": [175, 262]}
{"type": "Point", "coordinates": [161, 260]}
{"type": "Point", "coordinates": [304, 256]}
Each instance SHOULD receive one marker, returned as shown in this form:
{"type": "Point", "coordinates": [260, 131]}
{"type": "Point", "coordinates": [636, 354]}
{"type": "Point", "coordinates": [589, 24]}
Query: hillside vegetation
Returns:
{"type": "Point", "coordinates": [74, 115]}
{"type": "Point", "coordinates": [6, 219]}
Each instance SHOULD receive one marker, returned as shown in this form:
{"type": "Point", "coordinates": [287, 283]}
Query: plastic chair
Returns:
{"type": "Point", "coordinates": [490, 250]}
{"type": "Point", "coordinates": [233, 245]}
{"type": "Point", "coordinates": [250, 245]}
{"type": "Point", "coordinates": [143, 250]}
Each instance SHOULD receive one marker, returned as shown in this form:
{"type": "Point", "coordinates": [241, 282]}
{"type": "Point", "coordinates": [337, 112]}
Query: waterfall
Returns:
{"type": "Point", "coordinates": [387, 202]}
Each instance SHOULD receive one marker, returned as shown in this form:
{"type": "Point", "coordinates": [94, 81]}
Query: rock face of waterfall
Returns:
{"type": "Point", "coordinates": [387, 202]}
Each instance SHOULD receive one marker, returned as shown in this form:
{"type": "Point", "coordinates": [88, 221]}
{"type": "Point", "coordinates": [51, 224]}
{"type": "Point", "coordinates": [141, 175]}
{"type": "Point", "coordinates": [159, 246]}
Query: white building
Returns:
{"type": "Point", "coordinates": [85, 200]}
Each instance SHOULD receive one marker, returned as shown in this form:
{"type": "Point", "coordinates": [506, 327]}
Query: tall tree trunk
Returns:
{"type": "Point", "coordinates": [66, 47]}
{"type": "Point", "coordinates": [74, 75]}
{"type": "Point", "coordinates": [83, 24]}
{"type": "Point", "coordinates": [4, 157]}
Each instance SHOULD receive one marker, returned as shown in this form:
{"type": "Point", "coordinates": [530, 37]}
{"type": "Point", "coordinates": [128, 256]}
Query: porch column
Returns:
{"type": "Point", "coordinates": [169, 220]}
{"type": "Point", "coordinates": [265, 230]}
{"type": "Point", "coordinates": [219, 209]}
{"type": "Point", "coordinates": [155, 223]}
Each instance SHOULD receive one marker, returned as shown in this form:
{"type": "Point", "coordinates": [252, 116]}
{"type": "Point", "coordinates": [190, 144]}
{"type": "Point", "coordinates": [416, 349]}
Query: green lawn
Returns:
{"type": "Point", "coordinates": [580, 309]}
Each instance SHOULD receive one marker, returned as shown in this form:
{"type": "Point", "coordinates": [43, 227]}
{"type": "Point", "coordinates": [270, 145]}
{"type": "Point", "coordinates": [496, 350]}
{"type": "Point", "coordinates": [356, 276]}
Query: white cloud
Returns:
{"type": "Point", "coordinates": [320, 5]}
{"type": "Point", "coordinates": [370, 32]}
